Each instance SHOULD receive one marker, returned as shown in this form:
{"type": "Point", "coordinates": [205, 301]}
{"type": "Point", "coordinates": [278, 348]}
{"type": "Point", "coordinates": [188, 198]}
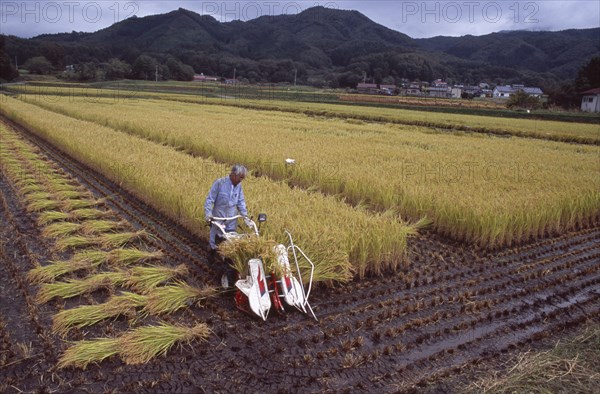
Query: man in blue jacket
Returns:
{"type": "Point", "coordinates": [225, 199]}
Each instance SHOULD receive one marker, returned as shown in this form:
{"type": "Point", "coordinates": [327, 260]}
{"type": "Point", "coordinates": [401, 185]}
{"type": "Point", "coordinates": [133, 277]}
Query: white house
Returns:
{"type": "Point", "coordinates": [507, 91]}
{"type": "Point", "coordinates": [503, 91]}
{"type": "Point", "coordinates": [438, 91]}
{"type": "Point", "coordinates": [590, 102]}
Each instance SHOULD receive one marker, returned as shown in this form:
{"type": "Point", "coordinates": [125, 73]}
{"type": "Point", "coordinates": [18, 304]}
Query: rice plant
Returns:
{"type": "Point", "coordinates": [36, 188]}
{"type": "Point", "coordinates": [87, 315]}
{"type": "Point", "coordinates": [240, 250]}
{"type": "Point", "coordinates": [142, 344]}
{"type": "Point", "coordinates": [26, 181]}
{"type": "Point", "coordinates": [77, 287]}
{"type": "Point", "coordinates": [103, 240]}
{"type": "Point", "coordinates": [74, 242]}
{"type": "Point", "coordinates": [51, 272]}
{"type": "Point", "coordinates": [168, 195]}
{"type": "Point", "coordinates": [36, 196]}
{"type": "Point", "coordinates": [60, 229]}
{"type": "Point", "coordinates": [70, 194]}
{"type": "Point", "coordinates": [168, 299]}
{"type": "Point", "coordinates": [128, 256]}
{"type": "Point", "coordinates": [145, 279]}
{"type": "Point", "coordinates": [52, 216]}
{"type": "Point", "coordinates": [101, 226]}
{"type": "Point", "coordinates": [83, 353]}
{"type": "Point", "coordinates": [78, 214]}
{"type": "Point", "coordinates": [497, 180]}
{"type": "Point", "coordinates": [89, 259]}
{"type": "Point", "coordinates": [120, 239]}
{"type": "Point", "coordinates": [62, 185]}
{"type": "Point", "coordinates": [42, 205]}
{"type": "Point", "coordinates": [136, 346]}
{"type": "Point", "coordinates": [88, 213]}
{"type": "Point", "coordinates": [73, 204]}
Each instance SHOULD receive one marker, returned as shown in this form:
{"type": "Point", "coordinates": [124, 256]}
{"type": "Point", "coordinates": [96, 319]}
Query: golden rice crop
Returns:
{"type": "Point", "coordinates": [172, 182]}
{"type": "Point", "coordinates": [171, 298]}
{"type": "Point", "coordinates": [117, 240]}
{"type": "Point", "coordinates": [77, 287]}
{"type": "Point", "coordinates": [31, 189]}
{"type": "Point", "coordinates": [136, 346]}
{"type": "Point", "coordinates": [240, 250]}
{"type": "Point", "coordinates": [101, 226]}
{"type": "Point", "coordinates": [491, 191]}
{"type": "Point", "coordinates": [33, 197]}
{"type": "Point", "coordinates": [87, 213]}
{"type": "Point", "coordinates": [87, 315]}
{"type": "Point", "coordinates": [554, 130]}
{"type": "Point", "coordinates": [88, 259]}
{"type": "Point", "coordinates": [52, 216]}
{"type": "Point", "coordinates": [74, 242]}
{"type": "Point", "coordinates": [142, 344]}
{"type": "Point", "coordinates": [42, 205]}
{"type": "Point", "coordinates": [128, 256]}
{"type": "Point", "coordinates": [66, 192]}
{"type": "Point", "coordinates": [60, 229]}
{"type": "Point", "coordinates": [111, 240]}
{"type": "Point", "coordinates": [73, 204]}
{"type": "Point", "coordinates": [81, 260]}
{"type": "Point", "coordinates": [145, 279]}
{"type": "Point", "coordinates": [83, 353]}
{"type": "Point", "coordinates": [90, 227]}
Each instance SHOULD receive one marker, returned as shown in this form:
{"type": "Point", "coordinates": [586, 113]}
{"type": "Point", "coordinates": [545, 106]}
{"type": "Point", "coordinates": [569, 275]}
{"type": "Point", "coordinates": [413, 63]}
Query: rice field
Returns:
{"type": "Point", "coordinates": [532, 128]}
{"type": "Point", "coordinates": [137, 317]}
{"type": "Point", "coordinates": [350, 241]}
{"type": "Point", "coordinates": [487, 190]}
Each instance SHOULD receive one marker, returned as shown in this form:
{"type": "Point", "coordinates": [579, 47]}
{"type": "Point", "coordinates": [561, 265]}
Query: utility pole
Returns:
{"type": "Point", "coordinates": [364, 77]}
{"type": "Point", "coordinates": [295, 75]}
{"type": "Point", "coordinates": [16, 64]}
{"type": "Point", "coordinates": [234, 75]}
{"type": "Point", "coordinates": [156, 74]}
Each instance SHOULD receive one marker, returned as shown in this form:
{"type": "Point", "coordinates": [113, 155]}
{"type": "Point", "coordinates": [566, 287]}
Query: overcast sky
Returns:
{"type": "Point", "coordinates": [418, 19]}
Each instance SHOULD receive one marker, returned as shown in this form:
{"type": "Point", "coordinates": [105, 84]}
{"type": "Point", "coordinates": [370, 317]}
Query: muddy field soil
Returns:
{"type": "Point", "coordinates": [450, 309]}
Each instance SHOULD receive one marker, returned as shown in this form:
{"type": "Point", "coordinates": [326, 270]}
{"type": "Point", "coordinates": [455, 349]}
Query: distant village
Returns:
{"type": "Point", "coordinates": [441, 89]}
{"type": "Point", "coordinates": [590, 100]}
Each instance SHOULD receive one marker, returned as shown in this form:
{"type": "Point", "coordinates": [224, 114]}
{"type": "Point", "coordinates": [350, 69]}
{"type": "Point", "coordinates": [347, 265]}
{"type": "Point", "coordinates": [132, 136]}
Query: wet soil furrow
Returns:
{"type": "Point", "coordinates": [25, 323]}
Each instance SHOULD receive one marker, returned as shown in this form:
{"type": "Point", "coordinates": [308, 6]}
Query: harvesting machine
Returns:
{"type": "Point", "coordinates": [259, 291]}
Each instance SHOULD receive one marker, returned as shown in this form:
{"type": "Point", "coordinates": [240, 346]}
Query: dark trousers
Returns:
{"type": "Point", "coordinates": [225, 264]}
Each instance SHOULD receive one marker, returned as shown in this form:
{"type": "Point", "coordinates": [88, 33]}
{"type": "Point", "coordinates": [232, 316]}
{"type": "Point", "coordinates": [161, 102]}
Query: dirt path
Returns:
{"type": "Point", "coordinates": [452, 308]}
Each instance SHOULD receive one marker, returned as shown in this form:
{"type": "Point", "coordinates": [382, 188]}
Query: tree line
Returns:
{"type": "Point", "coordinates": [86, 63]}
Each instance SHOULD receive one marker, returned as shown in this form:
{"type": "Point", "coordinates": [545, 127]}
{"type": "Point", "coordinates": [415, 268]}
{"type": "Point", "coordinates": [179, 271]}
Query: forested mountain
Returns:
{"type": "Point", "coordinates": [560, 53]}
{"type": "Point", "coordinates": [319, 46]}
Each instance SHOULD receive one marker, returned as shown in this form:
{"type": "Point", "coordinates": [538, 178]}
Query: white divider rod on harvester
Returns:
{"type": "Point", "coordinates": [293, 247]}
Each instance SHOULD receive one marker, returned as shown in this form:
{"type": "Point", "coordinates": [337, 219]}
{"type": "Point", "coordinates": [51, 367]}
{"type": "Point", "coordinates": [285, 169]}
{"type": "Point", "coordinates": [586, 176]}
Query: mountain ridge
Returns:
{"type": "Point", "coordinates": [331, 46]}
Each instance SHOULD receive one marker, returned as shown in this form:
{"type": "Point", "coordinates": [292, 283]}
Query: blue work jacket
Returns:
{"type": "Point", "coordinates": [224, 200]}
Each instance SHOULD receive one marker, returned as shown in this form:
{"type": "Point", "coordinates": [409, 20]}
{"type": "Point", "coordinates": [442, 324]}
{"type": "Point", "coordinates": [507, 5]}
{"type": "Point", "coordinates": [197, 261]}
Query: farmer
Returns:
{"type": "Point", "coordinates": [225, 199]}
